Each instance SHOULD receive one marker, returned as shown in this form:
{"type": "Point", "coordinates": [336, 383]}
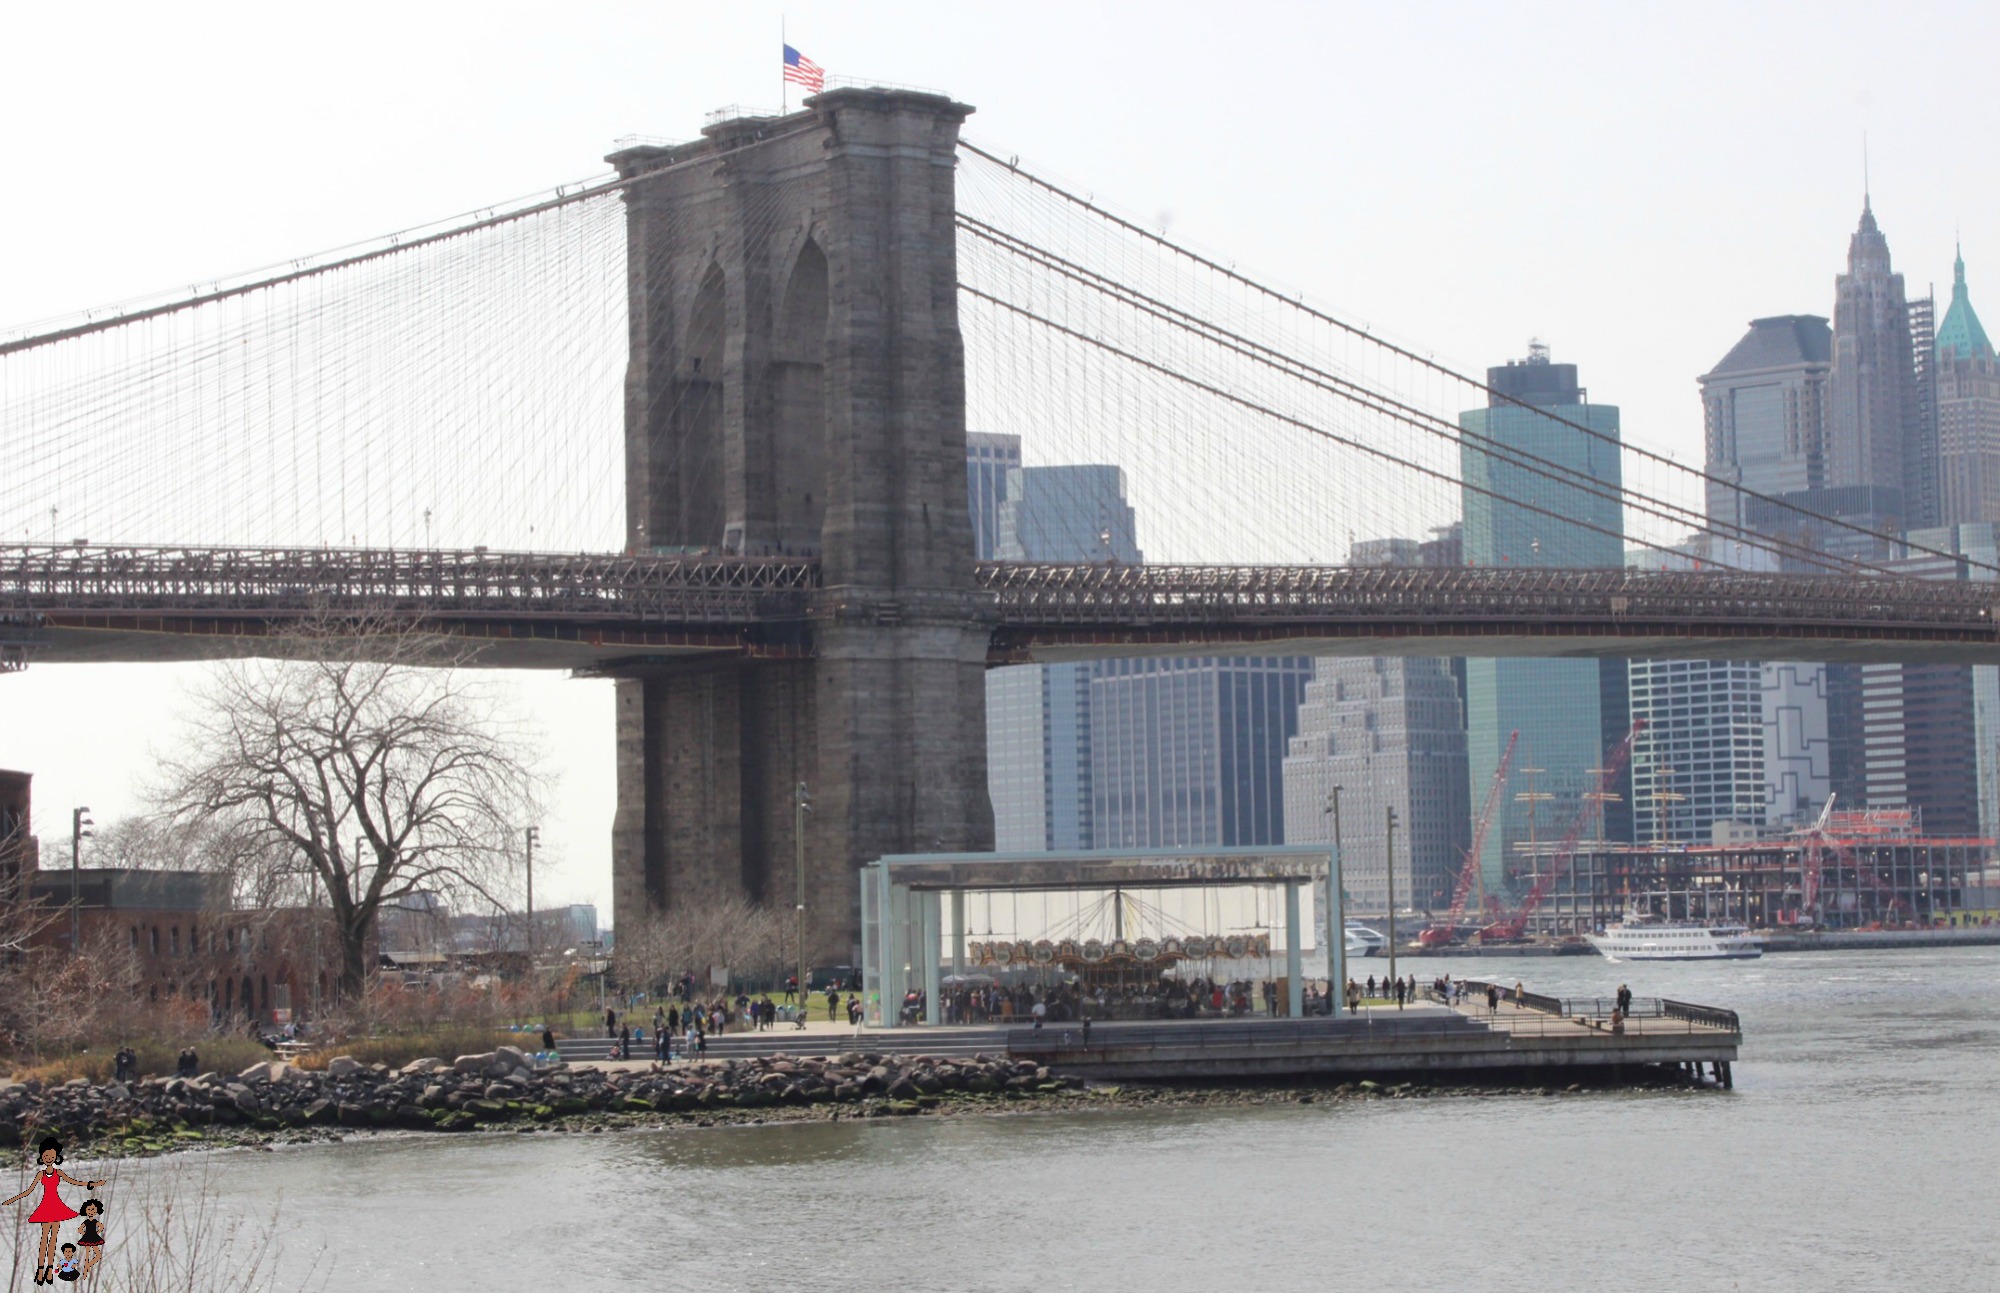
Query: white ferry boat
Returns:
{"type": "Point", "coordinates": [1363, 941]}
{"type": "Point", "coordinates": [1649, 938]}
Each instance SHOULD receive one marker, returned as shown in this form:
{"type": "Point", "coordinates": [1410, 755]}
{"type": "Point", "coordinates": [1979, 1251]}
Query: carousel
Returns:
{"type": "Point", "coordinates": [1110, 975]}
{"type": "Point", "coordinates": [1165, 934]}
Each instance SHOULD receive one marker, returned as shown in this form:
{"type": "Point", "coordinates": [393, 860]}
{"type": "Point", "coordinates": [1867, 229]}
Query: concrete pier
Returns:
{"type": "Point", "coordinates": [1426, 1041]}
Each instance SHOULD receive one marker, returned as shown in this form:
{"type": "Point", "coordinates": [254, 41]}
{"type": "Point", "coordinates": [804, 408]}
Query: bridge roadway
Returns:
{"type": "Point", "coordinates": [85, 603]}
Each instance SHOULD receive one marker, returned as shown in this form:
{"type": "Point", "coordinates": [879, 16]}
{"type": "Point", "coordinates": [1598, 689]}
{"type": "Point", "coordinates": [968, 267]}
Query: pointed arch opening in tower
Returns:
{"type": "Point", "coordinates": [688, 496]}
{"type": "Point", "coordinates": [798, 367]}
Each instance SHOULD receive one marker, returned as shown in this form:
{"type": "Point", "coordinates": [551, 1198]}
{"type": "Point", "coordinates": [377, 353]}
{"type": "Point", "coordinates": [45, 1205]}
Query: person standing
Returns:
{"type": "Point", "coordinates": [625, 1042]}
{"type": "Point", "coordinates": [1624, 1000]}
{"type": "Point", "coordinates": [1492, 998]}
{"type": "Point", "coordinates": [1520, 996]}
{"type": "Point", "coordinates": [610, 1022]}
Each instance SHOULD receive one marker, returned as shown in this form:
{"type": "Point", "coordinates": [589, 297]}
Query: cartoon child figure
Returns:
{"type": "Point", "coordinates": [90, 1234]}
{"type": "Point", "coordinates": [51, 1211]}
{"type": "Point", "coordinates": [66, 1268]}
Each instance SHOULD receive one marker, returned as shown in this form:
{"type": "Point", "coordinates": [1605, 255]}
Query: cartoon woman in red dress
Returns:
{"type": "Point", "coordinates": [51, 1212]}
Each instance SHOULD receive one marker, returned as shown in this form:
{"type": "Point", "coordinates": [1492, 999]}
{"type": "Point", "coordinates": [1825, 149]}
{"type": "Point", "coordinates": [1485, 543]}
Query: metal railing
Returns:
{"type": "Point", "coordinates": [1034, 596]}
{"type": "Point", "coordinates": [1705, 1016]}
{"type": "Point", "coordinates": [437, 583]}
{"type": "Point", "coordinates": [1600, 1008]}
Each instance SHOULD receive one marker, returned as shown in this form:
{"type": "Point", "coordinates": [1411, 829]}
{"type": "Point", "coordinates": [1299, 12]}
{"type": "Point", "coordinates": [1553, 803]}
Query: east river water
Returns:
{"type": "Point", "coordinates": [1860, 1150]}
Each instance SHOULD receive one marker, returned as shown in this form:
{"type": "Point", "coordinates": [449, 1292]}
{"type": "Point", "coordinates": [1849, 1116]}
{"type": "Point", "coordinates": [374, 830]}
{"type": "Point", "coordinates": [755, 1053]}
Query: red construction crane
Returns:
{"type": "Point", "coordinates": [1446, 931]}
{"type": "Point", "coordinates": [1838, 834]}
{"type": "Point", "coordinates": [1516, 926]}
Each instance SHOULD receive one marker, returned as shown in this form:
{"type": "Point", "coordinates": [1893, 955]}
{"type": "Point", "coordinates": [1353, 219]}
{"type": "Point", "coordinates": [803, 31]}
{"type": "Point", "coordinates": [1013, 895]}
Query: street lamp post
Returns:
{"type": "Point", "coordinates": [79, 830]}
{"type": "Point", "coordinates": [533, 834]}
{"type": "Point", "coordinates": [801, 805]}
{"type": "Point", "coordinates": [1337, 927]}
{"type": "Point", "coordinates": [1389, 861]}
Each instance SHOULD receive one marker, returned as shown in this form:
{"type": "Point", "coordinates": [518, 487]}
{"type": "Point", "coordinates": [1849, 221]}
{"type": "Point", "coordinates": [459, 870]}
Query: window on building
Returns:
{"type": "Point", "coordinates": [174, 939]}
{"type": "Point", "coordinates": [154, 941]}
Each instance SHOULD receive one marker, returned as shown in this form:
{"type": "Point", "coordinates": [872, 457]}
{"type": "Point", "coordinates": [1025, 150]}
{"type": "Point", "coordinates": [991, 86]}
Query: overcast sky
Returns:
{"type": "Point", "coordinates": [1630, 183]}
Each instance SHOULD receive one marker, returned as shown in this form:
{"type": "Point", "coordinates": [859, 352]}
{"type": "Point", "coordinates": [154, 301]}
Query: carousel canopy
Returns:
{"type": "Point", "coordinates": [1108, 869]}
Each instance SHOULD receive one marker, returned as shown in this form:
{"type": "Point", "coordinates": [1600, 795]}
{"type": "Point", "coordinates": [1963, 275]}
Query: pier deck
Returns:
{"type": "Point", "coordinates": [1428, 1040]}
{"type": "Point", "coordinates": [1555, 1036]}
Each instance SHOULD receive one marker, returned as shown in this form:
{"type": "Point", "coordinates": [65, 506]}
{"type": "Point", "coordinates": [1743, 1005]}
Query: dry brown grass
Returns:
{"type": "Point", "coordinates": [398, 1049]}
{"type": "Point", "coordinates": [220, 1054]}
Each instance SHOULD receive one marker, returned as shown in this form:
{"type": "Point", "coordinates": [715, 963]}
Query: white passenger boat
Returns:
{"type": "Point", "coordinates": [1363, 941]}
{"type": "Point", "coordinates": [1649, 938]}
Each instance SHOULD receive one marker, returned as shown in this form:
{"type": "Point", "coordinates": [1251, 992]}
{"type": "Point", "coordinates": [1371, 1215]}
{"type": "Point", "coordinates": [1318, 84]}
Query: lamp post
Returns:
{"type": "Point", "coordinates": [1337, 926]}
{"type": "Point", "coordinates": [79, 829]}
{"type": "Point", "coordinates": [1389, 861]}
{"type": "Point", "coordinates": [532, 834]}
{"type": "Point", "coordinates": [801, 805]}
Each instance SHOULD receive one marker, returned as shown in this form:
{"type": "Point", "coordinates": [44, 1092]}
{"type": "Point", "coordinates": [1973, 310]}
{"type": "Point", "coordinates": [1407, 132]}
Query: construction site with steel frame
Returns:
{"type": "Point", "coordinates": [1872, 869]}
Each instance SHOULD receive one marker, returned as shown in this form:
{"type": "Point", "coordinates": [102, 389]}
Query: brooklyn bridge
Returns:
{"type": "Point", "coordinates": [700, 425]}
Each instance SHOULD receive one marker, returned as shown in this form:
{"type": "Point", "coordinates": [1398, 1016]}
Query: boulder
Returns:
{"type": "Point", "coordinates": [513, 1055]}
{"type": "Point", "coordinates": [341, 1066]}
{"type": "Point", "coordinates": [428, 1064]}
{"type": "Point", "coordinates": [474, 1064]}
{"type": "Point", "coordinates": [259, 1072]}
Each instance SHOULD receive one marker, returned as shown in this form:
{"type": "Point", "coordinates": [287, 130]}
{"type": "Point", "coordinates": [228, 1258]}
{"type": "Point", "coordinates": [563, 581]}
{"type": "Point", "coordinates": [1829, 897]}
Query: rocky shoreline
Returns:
{"type": "Point", "coordinates": [502, 1090]}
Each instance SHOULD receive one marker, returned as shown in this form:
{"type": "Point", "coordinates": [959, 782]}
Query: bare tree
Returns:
{"type": "Point", "coordinates": [719, 928]}
{"type": "Point", "coordinates": [356, 768]}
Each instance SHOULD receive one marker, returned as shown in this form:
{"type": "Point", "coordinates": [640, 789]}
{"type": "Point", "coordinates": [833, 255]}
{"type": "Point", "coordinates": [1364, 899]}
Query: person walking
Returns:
{"type": "Point", "coordinates": [1492, 998]}
{"type": "Point", "coordinates": [625, 1042]}
{"type": "Point", "coordinates": [610, 1022]}
{"type": "Point", "coordinates": [1520, 996]}
{"type": "Point", "coordinates": [548, 1039]}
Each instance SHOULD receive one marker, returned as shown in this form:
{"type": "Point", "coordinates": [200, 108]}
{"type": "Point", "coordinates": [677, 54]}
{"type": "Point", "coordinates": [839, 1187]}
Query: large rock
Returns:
{"type": "Point", "coordinates": [474, 1064]}
{"type": "Point", "coordinates": [428, 1064]}
{"type": "Point", "coordinates": [259, 1072]}
{"type": "Point", "coordinates": [515, 1057]}
{"type": "Point", "coordinates": [341, 1066]}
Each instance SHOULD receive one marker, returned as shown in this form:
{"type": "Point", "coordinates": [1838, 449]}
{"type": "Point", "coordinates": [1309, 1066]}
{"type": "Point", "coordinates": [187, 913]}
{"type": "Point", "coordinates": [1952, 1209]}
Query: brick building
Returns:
{"type": "Point", "coordinates": [185, 940]}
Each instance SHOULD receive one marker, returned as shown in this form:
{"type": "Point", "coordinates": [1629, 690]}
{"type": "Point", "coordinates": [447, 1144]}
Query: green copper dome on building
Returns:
{"type": "Point", "coordinates": [1961, 331]}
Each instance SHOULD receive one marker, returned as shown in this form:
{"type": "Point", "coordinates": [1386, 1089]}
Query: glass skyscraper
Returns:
{"type": "Point", "coordinates": [1039, 762]}
{"type": "Point", "coordinates": [1566, 711]}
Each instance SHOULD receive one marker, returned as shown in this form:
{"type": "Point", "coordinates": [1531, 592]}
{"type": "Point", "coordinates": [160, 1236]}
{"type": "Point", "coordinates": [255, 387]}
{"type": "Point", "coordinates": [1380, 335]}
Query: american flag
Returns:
{"type": "Point", "coordinates": [801, 70]}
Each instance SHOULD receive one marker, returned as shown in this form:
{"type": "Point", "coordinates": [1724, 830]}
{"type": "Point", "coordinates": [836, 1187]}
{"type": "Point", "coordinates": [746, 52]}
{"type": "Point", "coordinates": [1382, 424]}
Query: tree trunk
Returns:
{"type": "Point", "coordinates": [353, 960]}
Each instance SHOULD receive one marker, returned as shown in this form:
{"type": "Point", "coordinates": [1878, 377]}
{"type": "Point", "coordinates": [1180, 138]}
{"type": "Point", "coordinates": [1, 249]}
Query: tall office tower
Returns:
{"type": "Point", "coordinates": [1189, 752]}
{"type": "Point", "coordinates": [1567, 711]}
{"type": "Point", "coordinates": [1967, 389]}
{"type": "Point", "coordinates": [1067, 514]}
{"type": "Point", "coordinates": [1876, 435]}
{"type": "Point", "coordinates": [1700, 759]}
{"type": "Point", "coordinates": [1764, 413]}
{"type": "Point", "coordinates": [1390, 732]}
{"type": "Point", "coordinates": [1797, 751]}
{"type": "Point", "coordinates": [1765, 410]}
{"type": "Point", "coordinates": [989, 457]}
{"type": "Point", "coordinates": [1932, 731]}
{"type": "Point", "coordinates": [1038, 728]}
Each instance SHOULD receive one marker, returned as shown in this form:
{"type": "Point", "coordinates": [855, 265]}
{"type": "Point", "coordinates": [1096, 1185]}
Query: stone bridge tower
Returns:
{"type": "Point", "coordinates": [796, 387]}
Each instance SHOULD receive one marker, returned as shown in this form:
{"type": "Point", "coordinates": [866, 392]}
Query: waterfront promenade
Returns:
{"type": "Point", "coordinates": [1544, 1037]}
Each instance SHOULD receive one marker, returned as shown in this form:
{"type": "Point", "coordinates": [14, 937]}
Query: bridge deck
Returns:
{"type": "Point", "coordinates": [552, 610]}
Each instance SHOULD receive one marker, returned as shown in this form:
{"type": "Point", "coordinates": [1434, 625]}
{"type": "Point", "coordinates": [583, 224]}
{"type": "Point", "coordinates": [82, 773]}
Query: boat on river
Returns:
{"type": "Point", "coordinates": [1650, 938]}
{"type": "Point", "coordinates": [1363, 941]}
